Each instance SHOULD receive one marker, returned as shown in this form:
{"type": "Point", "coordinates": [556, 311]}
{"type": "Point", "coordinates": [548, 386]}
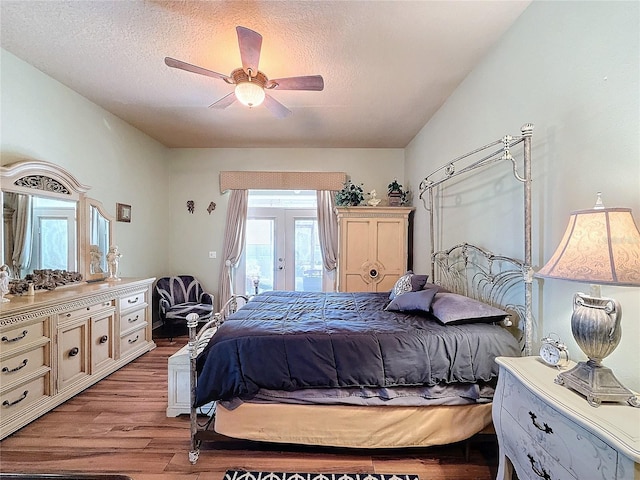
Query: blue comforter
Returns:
{"type": "Point", "coordinates": [295, 340]}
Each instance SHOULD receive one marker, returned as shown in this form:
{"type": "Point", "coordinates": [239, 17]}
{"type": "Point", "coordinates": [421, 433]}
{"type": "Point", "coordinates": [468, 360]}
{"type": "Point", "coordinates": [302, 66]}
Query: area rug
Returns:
{"type": "Point", "coordinates": [242, 475]}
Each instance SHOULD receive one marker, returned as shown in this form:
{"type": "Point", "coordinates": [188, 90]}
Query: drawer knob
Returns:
{"type": "Point", "coordinates": [373, 273]}
{"type": "Point", "coordinates": [74, 351]}
{"type": "Point", "coordinates": [134, 340]}
{"type": "Point", "coordinates": [542, 473]}
{"type": "Point", "coordinates": [135, 319]}
{"type": "Point", "coordinates": [15, 339]}
{"type": "Point", "coordinates": [19, 367]}
{"type": "Point", "coordinates": [7, 403]}
{"type": "Point", "coordinates": [104, 339]}
{"type": "Point", "coordinates": [545, 428]}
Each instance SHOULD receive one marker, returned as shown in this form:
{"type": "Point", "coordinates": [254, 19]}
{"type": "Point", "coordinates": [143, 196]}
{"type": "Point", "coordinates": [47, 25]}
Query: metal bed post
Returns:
{"type": "Point", "coordinates": [432, 235]}
{"type": "Point", "coordinates": [527, 132]}
{"type": "Point", "coordinates": [192, 324]}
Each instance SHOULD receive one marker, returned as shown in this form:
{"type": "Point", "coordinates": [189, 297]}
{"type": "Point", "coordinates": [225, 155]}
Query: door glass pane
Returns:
{"type": "Point", "coordinates": [54, 243]}
{"type": "Point", "coordinates": [260, 254]}
{"type": "Point", "coordinates": [308, 259]}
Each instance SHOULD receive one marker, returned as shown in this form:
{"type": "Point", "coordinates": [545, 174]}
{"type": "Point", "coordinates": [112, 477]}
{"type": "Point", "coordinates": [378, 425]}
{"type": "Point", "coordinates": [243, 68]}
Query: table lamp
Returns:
{"type": "Point", "coordinates": [601, 246]}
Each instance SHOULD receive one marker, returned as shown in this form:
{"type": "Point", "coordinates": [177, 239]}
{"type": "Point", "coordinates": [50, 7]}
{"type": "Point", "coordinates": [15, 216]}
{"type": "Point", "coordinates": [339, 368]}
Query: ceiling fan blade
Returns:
{"type": "Point", "coordinates": [250, 43]}
{"type": "Point", "coordinates": [224, 102]}
{"type": "Point", "coordinates": [172, 62]}
{"type": "Point", "coordinates": [275, 107]}
{"type": "Point", "coordinates": [311, 82]}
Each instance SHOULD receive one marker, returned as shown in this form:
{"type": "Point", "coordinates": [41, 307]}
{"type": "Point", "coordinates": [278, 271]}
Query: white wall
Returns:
{"type": "Point", "coordinates": [572, 69]}
{"type": "Point", "coordinates": [195, 176]}
{"type": "Point", "coordinates": [41, 119]}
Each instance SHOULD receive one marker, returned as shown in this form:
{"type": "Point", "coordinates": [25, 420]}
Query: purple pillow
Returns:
{"type": "Point", "coordinates": [454, 309]}
{"type": "Point", "coordinates": [409, 282]}
{"type": "Point", "coordinates": [439, 288]}
{"type": "Point", "coordinates": [419, 301]}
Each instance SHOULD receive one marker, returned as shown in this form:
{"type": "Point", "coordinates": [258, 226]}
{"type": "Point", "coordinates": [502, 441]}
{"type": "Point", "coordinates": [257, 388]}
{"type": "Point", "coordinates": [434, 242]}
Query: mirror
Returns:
{"type": "Point", "coordinates": [100, 235]}
{"type": "Point", "coordinates": [49, 223]}
{"type": "Point", "coordinates": [39, 233]}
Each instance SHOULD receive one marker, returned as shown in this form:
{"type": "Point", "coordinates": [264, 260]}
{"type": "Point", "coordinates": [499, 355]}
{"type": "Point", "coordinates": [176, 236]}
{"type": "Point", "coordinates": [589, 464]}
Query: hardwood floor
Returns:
{"type": "Point", "coordinates": [119, 426]}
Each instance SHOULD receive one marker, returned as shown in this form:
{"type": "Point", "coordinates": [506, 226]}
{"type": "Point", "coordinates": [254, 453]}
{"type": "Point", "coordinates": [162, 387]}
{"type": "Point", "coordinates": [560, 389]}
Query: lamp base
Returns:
{"type": "Point", "coordinates": [597, 383]}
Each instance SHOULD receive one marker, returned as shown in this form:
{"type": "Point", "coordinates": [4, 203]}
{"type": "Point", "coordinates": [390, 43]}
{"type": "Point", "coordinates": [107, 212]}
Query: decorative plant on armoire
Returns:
{"type": "Point", "coordinates": [397, 195]}
{"type": "Point", "coordinates": [351, 195]}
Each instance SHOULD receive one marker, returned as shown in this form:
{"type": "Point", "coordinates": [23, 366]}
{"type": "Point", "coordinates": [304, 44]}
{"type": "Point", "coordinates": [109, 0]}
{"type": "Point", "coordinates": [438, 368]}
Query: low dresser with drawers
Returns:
{"type": "Point", "coordinates": [56, 343]}
{"type": "Point", "coordinates": [548, 431]}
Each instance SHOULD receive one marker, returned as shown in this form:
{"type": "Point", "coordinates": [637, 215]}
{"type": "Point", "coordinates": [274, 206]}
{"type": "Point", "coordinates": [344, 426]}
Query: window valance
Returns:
{"type": "Point", "coordinates": [251, 180]}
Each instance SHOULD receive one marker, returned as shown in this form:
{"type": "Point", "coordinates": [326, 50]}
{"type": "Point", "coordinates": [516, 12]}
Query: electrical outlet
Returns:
{"type": "Point", "coordinates": [212, 254]}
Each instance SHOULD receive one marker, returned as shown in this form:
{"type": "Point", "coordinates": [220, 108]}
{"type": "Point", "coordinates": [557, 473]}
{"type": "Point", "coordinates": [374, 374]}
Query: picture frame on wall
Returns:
{"type": "Point", "coordinates": [123, 212]}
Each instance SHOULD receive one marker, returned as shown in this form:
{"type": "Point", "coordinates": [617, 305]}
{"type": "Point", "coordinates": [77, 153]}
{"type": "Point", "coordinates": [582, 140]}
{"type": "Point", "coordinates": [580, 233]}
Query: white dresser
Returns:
{"type": "Point", "coordinates": [548, 431]}
{"type": "Point", "coordinates": [57, 343]}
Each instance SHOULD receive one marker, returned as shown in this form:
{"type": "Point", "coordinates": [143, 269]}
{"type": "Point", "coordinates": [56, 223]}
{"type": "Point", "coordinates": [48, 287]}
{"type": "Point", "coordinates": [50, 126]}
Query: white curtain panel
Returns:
{"type": "Point", "coordinates": [234, 238]}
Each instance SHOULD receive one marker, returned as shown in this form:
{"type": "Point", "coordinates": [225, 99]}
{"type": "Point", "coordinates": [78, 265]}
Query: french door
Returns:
{"type": "Point", "coordinates": [282, 252]}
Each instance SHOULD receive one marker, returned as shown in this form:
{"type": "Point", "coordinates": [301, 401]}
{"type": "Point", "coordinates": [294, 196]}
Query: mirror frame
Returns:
{"type": "Point", "coordinates": [50, 180]}
{"type": "Point", "coordinates": [86, 239]}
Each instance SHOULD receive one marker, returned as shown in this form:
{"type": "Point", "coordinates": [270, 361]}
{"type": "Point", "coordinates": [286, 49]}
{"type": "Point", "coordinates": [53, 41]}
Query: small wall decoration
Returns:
{"type": "Point", "coordinates": [123, 212]}
{"type": "Point", "coordinates": [211, 207]}
{"type": "Point", "coordinates": [191, 206]}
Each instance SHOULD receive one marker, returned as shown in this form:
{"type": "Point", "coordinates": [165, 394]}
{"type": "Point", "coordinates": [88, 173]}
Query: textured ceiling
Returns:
{"type": "Point", "coordinates": [387, 65]}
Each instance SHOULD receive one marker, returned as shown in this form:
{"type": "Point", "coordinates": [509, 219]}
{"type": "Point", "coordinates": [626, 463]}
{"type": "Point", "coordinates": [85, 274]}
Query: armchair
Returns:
{"type": "Point", "coordinates": [178, 297]}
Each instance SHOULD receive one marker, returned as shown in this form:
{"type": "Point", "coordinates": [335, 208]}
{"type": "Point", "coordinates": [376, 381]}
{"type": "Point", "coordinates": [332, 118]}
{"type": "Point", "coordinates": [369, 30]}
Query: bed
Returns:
{"type": "Point", "coordinates": [407, 368]}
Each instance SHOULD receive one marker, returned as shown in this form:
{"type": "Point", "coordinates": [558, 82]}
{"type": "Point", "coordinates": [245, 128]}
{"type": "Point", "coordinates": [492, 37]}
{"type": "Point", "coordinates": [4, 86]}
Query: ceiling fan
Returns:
{"type": "Point", "coordinates": [251, 84]}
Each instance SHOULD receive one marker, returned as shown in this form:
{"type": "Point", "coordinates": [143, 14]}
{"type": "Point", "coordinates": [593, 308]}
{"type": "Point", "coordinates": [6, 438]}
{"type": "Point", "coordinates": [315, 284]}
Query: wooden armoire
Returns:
{"type": "Point", "coordinates": [373, 248]}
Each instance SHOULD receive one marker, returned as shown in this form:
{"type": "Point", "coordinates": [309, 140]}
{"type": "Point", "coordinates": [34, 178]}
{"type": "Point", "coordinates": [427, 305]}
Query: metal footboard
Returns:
{"type": "Point", "coordinates": [198, 339]}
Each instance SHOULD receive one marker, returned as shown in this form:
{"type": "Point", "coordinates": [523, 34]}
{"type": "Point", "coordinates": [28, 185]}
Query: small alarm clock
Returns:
{"type": "Point", "coordinates": [553, 352]}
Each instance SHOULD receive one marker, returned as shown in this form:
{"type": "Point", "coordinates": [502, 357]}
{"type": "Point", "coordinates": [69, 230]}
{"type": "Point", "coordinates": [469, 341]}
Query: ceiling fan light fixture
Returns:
{"type": "Point", "coordinates": [250, 94]}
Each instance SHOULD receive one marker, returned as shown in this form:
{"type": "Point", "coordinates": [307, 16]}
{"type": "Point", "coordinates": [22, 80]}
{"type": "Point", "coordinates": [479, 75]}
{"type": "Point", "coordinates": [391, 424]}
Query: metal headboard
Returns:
{"type": "Point", "coordinates": [493, 284]}
{"type": "Point", "coordinates": [493, 279]}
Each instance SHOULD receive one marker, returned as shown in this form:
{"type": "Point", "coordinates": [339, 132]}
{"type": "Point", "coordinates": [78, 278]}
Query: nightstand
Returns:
{"type": "Point", "coordinates": [548, 431]}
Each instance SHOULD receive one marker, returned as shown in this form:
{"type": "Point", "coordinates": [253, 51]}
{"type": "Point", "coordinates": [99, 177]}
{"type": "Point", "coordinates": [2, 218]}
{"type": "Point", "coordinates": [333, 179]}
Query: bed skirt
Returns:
{"type": "Point", "coordinates": [354, 426]}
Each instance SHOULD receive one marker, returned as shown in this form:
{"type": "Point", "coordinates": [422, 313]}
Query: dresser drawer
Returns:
{"type": "Point", "coordinates": [578, 451]}
{"type": "Point", "coordinates": [530, 460]}
{"type": "Point", "coordinates": [16, 338]}
{"type": "Point", "coordinates": [133, 341]}
{"type": "Point", "coordinates": [132, 320]}
{"type": "Point", "coordinates": [19, 366]}
{"type": "Point", "coordinates": [18, 399]}
{"type": "Point", "coordinates": [85, 311]}
{"type": "Point", "coordinates": [132, 301]}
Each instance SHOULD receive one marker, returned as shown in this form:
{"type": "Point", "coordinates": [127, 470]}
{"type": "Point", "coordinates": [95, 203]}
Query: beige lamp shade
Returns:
{"type": "Point", "coordinates": [600, 246]}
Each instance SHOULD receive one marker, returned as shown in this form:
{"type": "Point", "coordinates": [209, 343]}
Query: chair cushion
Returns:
{"type": "Point", "coordinates": [180, 311]}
